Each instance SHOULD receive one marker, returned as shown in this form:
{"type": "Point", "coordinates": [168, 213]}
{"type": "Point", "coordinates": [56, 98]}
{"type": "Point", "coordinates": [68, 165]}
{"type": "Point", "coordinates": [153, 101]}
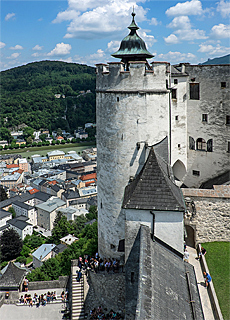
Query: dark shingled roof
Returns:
{"type": "Point", "coordinates": [71, 194]}
{"type": "Point", "coordinates": [18, 223]}
{"type": "Point", "coordinates": [12, 277]}
{"type": "Point", "coordinates": [154, 188]}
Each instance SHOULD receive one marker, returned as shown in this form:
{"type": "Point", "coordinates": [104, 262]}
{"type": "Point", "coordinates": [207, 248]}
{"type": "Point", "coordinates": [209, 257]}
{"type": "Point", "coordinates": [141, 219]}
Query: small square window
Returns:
{"type": "Point", "coordinates": [228, 120]}
{"type": "Point", "coordinates": [174, 94]}
{"type": "Point", "coordinates": [204, 117]}
{"type": "Point", "coordinates": [223, 84]}
{"type": "Point", "coordinates": [176, 117]}
{"type": "Point", "coordinates": [196, 173]}
{"type": "Point", "coordinates": [175, 81]}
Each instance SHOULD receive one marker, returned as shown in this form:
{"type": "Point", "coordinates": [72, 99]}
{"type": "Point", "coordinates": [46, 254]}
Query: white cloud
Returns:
{"type": "Point", "coordinates": [148, 39]}
{"type": "Point", "coordinates": [224, 8]}
{"type": "Point", "coordinates": [14, 55]}
{"type": "Point", "coordinates": [220, 31]}
{"type": "Point", "coordinates": [9, 16]}
{"type": "Point", "coordinates": [61, 49]}
{"type": "Point", "coordinates": [2, 45]}
{"type": "Point", "coordinates": [183, 29]}
{"type": "Point", "coordinates": [173, 57]}
{"type": "Point", "coordinates": [171, 39]}
{"type": "Point", "coordinates": [193, 7]}
{"type": "Point", "coordinates": [113, 46]}
{"type": "Point", "coordinates": [17, 47]}
{"type": "Point", "coordinates": [37, 48]}
{"type": "Point", "coordinates": [213, 51]}
{"type": "Point", "coordinates": [102, 17]}
{"type": "Point", "coordinates": [66, 60]}
{"type": "Point", "coordinates": [36, 54]}
{"type": "Point", "coordinates": [99, 54]}
{"type": "Point", "coordinates": [154, 22]}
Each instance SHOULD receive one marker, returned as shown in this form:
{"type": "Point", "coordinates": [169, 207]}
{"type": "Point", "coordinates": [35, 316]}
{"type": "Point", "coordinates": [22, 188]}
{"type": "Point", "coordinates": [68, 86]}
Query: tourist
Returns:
{"type": "Point", "coordinates": [63, 296]}
{"type": "Point", "coordinates": [186, 255]}
{"type": "Point", "coordinates": [207, 278]}
{"type": "Point", "coordinates": [26, 283]}
{"type": "Point", "coordinates": [202, 253]}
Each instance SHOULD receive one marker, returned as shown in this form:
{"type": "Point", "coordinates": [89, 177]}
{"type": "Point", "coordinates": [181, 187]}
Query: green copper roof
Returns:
{"type": "Point", "coordinates": [132, 46]}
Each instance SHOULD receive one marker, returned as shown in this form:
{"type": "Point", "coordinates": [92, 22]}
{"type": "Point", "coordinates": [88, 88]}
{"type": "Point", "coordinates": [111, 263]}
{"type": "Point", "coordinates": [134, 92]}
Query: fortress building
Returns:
{"type": "Point", "coordinates": [182, 110]}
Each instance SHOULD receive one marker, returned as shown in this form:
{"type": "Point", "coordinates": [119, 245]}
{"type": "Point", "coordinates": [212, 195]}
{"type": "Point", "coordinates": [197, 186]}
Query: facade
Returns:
{"type": "Point", "coordinates": [23, 209]}
{"type": "Point", "coordinates": [4, 217]}
{"type": "Point", "coordinates": [24, 165]}
{"type": "Point", "coordinates": [23, 228]}
{"type": "Point", "coordinates": [46, 212]}
{"type": "Point", "coordinates": [55, 154]}
{"type": "Point", "coordinates": [43, 253]}
{"type": "Point", "coordinates": [200, 108]}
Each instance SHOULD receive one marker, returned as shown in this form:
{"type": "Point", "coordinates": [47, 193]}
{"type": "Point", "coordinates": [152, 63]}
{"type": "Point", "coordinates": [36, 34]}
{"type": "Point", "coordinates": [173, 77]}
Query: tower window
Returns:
{"type": "Point", "coordinates": [174, 94]}
{"type": "Point", "coordinates": [223, 84]}
{"type": "Point", "coordinates": [194, 91]}
{"type": "Point", "coordinates": [209, 145]}
{"type": "Point", "coordinates": [175, 81]}
{"type": "Point", "coordinates": [204, 117]}
{"type": "Point", "coordinates": [228, 120]}
{"type": "Point", "coordinates": [200, 144]}
{"type": "Point", "coordinates": [176, 117]}
{"type": "Point", "coordinates": [178, 145]}
{"type": "Point", "coordinates": [132, 277]}
{"type": "Point", "coordinates": [196, 173]}
{"type": "Point", "coordinates": [228, 147]}
{"type": "Point", "coordinates": [118, 99]}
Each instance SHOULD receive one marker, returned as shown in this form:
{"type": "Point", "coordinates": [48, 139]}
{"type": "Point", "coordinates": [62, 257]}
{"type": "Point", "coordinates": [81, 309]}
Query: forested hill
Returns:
{"type": "Point", "coordinates": [28, 95]}
{"type": "Point", "coordinates": [220, 60]}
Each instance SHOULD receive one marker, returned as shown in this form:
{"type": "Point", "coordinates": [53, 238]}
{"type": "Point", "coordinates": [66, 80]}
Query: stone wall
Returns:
{"type": "Point", "coordinates": [212, 213]}
{"type": "Point", "coordinates": [62, 282]}
{"type": "Point", "coordinates": [106, 290]}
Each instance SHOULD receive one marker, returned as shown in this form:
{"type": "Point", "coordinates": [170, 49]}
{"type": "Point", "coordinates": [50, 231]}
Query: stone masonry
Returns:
{"type": "Point", "coordinates": [212, 213]}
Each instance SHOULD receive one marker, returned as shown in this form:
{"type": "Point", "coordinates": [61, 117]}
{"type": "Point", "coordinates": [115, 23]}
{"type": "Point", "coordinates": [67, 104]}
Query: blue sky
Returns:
{"type": "Point", "coordinates": [88, 31]}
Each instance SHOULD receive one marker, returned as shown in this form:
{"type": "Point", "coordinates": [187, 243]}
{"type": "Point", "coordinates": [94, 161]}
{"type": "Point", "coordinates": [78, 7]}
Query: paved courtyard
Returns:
{"type": "Point", "coordinates": [52, 311]}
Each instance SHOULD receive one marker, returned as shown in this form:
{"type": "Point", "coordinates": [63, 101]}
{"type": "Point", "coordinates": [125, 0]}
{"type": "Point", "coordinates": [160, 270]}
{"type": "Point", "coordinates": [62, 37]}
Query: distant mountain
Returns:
{"type": "Point", "coordinates": [48, 94]}
{"type": "Point", "coordinates": [221, 60]}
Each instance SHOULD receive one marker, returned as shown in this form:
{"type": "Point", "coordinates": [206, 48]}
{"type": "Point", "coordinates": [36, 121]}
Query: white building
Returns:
{"type": "Point", "coordinates": [43, 253]}
{"type": "Point", "coordinates": [23, 209]}
{"type": "Point", "coordinates": [22, 227]}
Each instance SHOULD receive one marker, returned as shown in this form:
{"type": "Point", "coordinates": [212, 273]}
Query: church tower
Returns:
{"type": "Point", "coordinates": [132, 114]}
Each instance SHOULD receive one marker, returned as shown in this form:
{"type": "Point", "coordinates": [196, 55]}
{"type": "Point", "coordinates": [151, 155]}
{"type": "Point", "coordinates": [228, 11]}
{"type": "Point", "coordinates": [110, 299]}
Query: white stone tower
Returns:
{"type": "Point", "coordinates": [132, 113]}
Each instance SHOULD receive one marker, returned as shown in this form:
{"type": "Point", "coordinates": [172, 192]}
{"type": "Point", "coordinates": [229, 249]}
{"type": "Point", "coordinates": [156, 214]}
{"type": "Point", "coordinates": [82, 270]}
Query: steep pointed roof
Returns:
{"type": "Point", "coordinates": [132, 47]}
{"type": "Point", "coordinates": [12, 277]}
{"type": "Point", "coordinates": [154, 188]}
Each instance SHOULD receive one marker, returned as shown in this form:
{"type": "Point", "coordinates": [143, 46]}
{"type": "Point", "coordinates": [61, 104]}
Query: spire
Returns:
{"type": "Point", "coordinates": [132, 47]}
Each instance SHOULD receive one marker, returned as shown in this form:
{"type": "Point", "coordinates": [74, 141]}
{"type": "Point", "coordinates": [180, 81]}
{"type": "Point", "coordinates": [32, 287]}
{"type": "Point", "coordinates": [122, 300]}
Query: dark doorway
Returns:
{"type": "Point", "coordinates": [190, 236]}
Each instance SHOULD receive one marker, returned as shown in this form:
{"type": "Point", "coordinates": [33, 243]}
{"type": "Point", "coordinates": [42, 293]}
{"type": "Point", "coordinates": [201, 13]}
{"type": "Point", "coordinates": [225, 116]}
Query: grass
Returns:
{"type": "Point", "coordinates": [28, 152]}
{"type": "Point", "coordinates": [218, 260]}
{"type": "Point", "coordinates": [29, 259]}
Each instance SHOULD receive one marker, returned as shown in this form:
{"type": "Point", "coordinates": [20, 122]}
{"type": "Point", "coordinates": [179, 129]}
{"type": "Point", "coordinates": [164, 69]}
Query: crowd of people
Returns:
{"type": "Point", "coordinates": [101, 315]}
{"type": "Point", "coordinates": [42, 299]}
{"type": "Point", "coordinates": [99, 264]}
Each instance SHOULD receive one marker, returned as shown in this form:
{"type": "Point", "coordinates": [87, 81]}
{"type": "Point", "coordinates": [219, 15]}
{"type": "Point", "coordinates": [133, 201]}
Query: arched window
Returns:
{"type": "Point", "coordinates": [209, 145]}
{"type": "Point", "coordinates": [191, 143]}
{"type": "Point", "coordinates": [200, 144]}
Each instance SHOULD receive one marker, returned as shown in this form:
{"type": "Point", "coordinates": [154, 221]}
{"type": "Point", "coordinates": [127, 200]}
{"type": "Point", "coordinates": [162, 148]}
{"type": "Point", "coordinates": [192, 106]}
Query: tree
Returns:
{"type": "Point", "coordinates": [33, 241]}
{"type": "Point", "coordinates": [29, 140]}
{"type": "Point", "coordinates": [43, 137]}
{"type": "Point", "coordinates": [37, 275]}
{"type": "Point", "coordinates": [28, 132]}
{"type": "Point", "coordinates": [92, 213]}
{"type": "Point", "coordinates": [59, 131]}
{"type": "Point", "coordinates": [5, 134]}
{"type": "Point", "coordinates": [10, 244]}
{"type": "Point", "coordinates": [51, 268]}
{"type": "Point", "coordinates": [3, 194]}
{"type": "Point", "coordinates": [11, 210]}
{"type": "Point", "coordinates": [61, 228]}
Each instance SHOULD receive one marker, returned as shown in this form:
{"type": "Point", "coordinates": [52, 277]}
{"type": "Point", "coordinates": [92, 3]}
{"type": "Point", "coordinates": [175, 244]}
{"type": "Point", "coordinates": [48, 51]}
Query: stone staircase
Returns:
{"type": "Point", "coordinates": [77, 298]}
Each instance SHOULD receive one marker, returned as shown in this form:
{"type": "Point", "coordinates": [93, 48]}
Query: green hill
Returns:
{"type": "Point", "coordinates": [221, 60]}
{"type": "Point", "coordinates": [28, 95]}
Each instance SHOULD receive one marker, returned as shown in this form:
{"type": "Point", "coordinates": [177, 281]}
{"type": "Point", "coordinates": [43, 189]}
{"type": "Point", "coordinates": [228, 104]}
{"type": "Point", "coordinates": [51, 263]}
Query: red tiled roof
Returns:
{"type": "Point", "coordinates": [89, 176]}
{"type": "Point", "coordinates": [52, 182]}
{"type": "Point", "coordinates": [32, 191]}
{"type": "Point", "coordinates": [9, 166]}
{"type": "Point", "coordinates": [88, 183]}
{"type": "Point", "coordinates": [60, 138]}
{"type": "Point", "coordinates": [19, 171]}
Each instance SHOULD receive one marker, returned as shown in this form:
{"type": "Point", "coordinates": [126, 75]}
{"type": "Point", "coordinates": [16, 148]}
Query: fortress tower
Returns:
{"type": "Point", "coordinates": [132, 114]}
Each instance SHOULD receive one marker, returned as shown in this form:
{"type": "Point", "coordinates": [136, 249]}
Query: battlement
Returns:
{"type": "Point", "coordinates": [139, 76]}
